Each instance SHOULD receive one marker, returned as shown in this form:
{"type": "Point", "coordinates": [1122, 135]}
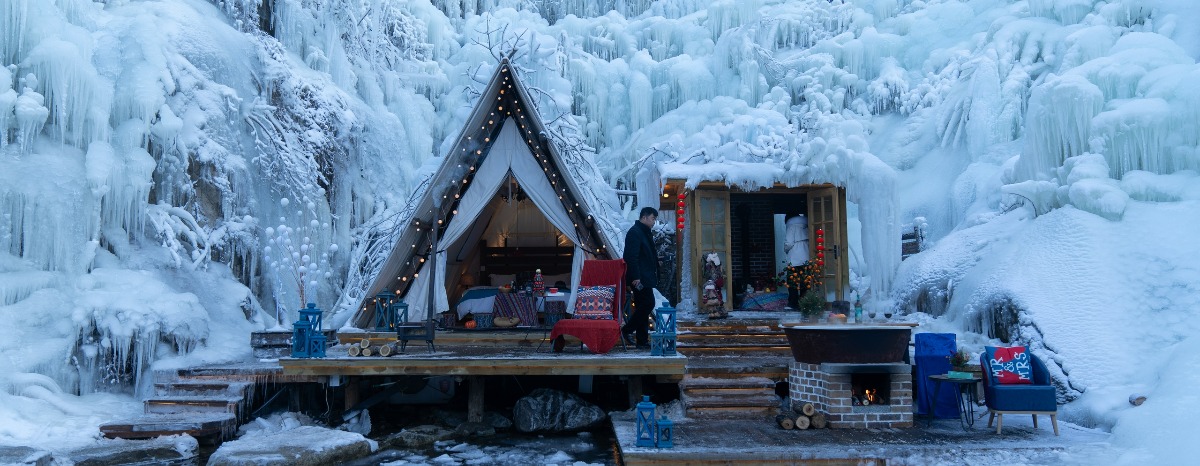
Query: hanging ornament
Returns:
{"type": "Point", "coordinates": [680, 225]}
{"type": "Point", "coordinates": [820, 239]}
{"type": "Point", "coordinates": [682, 196]}
{"type": "Point", "coordinates": [820, 231]}
{"type": "Point", "coordinates": [680, 219]}
{"type": "Point", "coordinates": [820, 255]}
{"type": "Point", "coordinates": [681, 205]}
{"type": "Point", "coordinates": [820, 263]}
{"type": "Point", "coordinates": [820, 247]}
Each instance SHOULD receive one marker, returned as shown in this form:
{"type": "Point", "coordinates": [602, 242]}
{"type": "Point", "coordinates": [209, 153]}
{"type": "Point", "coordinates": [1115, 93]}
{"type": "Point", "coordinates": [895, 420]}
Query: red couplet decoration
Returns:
{"type": "Point", "coordinates": [682, 196]}
{"type": "Point", "coordinates": [820, 231]}
{"type": "Point", "coordinates": [681, 205]}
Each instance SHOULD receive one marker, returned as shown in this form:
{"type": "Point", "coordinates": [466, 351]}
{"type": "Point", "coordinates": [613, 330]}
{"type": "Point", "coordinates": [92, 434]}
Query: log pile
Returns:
{"type": "Point", "coordinates": [366, 349]}
{"type": "Point", "coordinates": [805, 417]}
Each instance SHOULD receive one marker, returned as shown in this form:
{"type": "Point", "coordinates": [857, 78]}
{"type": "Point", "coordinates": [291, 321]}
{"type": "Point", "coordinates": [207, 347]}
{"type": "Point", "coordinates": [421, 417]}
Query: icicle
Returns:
{"type": "Point", "coordinates": [31, 115]}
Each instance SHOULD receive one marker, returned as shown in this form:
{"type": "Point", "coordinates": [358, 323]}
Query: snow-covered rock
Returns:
{"type": "Point", "coordinates": [301, 446]}
{"type": "Point", "coordinates": [547, 410]}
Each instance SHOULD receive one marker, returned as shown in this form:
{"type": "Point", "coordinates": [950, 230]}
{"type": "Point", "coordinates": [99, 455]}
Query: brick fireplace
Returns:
{"type": "Point", "coordinates": [855, 396]}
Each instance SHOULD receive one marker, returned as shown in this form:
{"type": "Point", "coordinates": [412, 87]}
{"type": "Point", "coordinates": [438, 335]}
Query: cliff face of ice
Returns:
{"type": "Point", "coordinates": [1049, 148]}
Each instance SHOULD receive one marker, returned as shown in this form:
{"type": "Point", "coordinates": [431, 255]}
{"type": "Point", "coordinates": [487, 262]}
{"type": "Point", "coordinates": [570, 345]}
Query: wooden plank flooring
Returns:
{"type": "Point", "coordinates": [472, 360]}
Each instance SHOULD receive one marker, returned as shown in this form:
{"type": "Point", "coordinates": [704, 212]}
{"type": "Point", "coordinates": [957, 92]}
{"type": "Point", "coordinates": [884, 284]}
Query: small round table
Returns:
{"type": "Point", "coordinates": [966, 405]}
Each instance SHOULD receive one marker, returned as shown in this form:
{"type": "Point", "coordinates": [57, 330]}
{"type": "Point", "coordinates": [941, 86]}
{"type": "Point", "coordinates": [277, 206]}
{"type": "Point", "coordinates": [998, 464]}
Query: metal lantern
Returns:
{"type": "Point", "coordinates": [300, 332]}
{"type": "Point", "coordinates": [665, 433]}
{"type": "Point", "coordinates": [385, 317]}
{"type": "Point", "coordinates": [645, 422]}
{"type": "Point", "coordinates": [664, 318]}
{"type": "Point", "coordinates": [305, 343]}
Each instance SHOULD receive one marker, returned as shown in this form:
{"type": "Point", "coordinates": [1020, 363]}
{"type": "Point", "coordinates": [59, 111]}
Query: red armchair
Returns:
{"type": "Point", "coordinates": [599, 335]}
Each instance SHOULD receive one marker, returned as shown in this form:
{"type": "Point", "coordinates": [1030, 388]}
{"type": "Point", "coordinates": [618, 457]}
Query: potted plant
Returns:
{"type": "Point", "coordinates": [960, 361]}
{"type": "Point", "coordinates": [799, 280]}
{"type": "Point", "coordinates": [811, 305]}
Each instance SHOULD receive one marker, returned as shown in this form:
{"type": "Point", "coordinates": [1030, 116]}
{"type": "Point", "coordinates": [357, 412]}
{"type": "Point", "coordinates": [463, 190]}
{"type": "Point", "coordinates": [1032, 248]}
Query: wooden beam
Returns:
{"type": "Point", "coordinates": [475, 399]}
{"type": "Point", "coordinates": [483, 366]}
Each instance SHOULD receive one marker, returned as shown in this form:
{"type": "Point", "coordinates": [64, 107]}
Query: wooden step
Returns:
{"type": "Point", "coordinates": [738, 412]}
{"type": "Point", "coordinates": [202, 387]}
{"type": "Point", "coordinates": [179, 404]}
{"type": "Point", "coordinates": [220, 426]}
{"type": "Point", "coordinates": [708, 383]}
{"type": "Point", "coordinates": [767, 399]}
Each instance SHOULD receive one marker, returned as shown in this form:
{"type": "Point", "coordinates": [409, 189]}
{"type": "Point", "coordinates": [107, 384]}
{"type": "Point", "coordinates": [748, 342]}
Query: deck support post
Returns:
{"type": "Point", "coordinates": [351, 394]}
{"type": "Point", "coordinates": [635, 390]}
{"type": "Point", "coordinates": [475, 399]}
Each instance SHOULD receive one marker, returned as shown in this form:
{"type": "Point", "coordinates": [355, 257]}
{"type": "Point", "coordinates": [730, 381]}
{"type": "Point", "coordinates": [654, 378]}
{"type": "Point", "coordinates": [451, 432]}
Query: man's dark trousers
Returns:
{"type": "Point", "coordinates": [639, 320]}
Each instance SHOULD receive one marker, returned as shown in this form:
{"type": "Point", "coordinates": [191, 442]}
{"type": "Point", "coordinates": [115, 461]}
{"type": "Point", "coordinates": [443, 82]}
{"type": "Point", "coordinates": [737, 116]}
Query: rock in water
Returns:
{"type": "Point", "coordinates": [547, 410]}
{"type": "Point", "coordinates": [416, 438]}
{"type": "Point", "coordinates": [302, 446]}
{"type": "Point", "coordinates": [496, 420]}
{"type": "Point", "coordinates": [475, 429]}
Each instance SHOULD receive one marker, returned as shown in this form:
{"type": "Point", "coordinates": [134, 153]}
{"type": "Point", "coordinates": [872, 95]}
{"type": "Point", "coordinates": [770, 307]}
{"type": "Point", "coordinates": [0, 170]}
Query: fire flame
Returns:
{"type": "Point", "coordinates": [871, 396]}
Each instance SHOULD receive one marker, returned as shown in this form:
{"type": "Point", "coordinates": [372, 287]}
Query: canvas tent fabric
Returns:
{"type": "Point", "coordinates": [555, 151]}
{"type": "Point", "coordinates": [509, 155]}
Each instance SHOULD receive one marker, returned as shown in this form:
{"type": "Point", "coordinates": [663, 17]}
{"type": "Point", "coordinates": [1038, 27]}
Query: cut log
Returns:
{"type": "Point", "coordinates": [385, 350]}
{"type": "Point", "coordinates": [367, 351]}
{"type": "Point", "coordinates": [818, 421]}
{"type": "Point", "coordinates": [802, 422]}
{"type": "Point", "coordinates": [364, 343]}
{"type": "Point", "coordinates": [354, 351]}
{"type": "Point", "coordinates": [785, 422]}
{"type": "Point", "coordinates": [808, 409]}
{"type": "Point", "coordinates": [1137, 399]}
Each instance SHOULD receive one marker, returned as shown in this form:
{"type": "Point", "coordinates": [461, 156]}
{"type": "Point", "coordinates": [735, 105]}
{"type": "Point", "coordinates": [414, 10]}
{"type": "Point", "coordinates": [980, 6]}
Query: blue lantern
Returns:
{"type": "Point", "coordinates": [664, 319]}
{"type": "Point", "coordinates": [645, 422]}
{"type": "Point", "coordinates": [666, 433]}
{"type": "Point", "coordinates": [385, 317]}
{"type": "Point", "coordinates": [662, 342]}
{"type": "Point", "coordinates": [305, 344]}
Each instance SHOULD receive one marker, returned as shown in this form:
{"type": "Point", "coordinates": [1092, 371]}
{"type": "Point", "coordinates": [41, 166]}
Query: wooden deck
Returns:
{"type": "Point", "coordinates": [488, 360]}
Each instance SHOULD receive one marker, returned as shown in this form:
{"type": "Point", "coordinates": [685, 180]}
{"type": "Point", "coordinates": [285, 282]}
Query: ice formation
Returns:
{"type": "Point", "coordinates": [146, 145]}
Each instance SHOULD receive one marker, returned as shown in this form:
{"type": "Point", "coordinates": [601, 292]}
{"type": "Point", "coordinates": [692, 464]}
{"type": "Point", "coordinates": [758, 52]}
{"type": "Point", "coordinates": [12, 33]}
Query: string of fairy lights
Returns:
{"type": "Point", "coordinates": [508, 103]}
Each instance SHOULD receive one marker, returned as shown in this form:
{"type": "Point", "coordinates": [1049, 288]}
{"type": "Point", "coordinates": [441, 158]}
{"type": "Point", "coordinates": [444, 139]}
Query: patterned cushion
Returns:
{"type": "Point", "coordinates": [594, 302]}
{"type": "Point", "coordinates": [1010, 365]}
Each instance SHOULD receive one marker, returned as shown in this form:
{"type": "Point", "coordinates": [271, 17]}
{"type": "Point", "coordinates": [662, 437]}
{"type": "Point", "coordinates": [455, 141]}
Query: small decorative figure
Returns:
{"type": "Point", "coordinates": [713, 299]}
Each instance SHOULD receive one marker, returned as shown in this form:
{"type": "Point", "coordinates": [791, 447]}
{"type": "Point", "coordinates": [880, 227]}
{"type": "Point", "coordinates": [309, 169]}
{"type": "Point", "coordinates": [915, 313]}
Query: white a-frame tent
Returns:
{"type": "Point", "coordinates": [503, 147]}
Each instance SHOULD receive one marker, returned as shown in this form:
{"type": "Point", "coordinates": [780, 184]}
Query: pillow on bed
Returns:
{"type": "Point", "coordinates": [501, 280]}
{"type": "Point", "coordinates": [594, 302]}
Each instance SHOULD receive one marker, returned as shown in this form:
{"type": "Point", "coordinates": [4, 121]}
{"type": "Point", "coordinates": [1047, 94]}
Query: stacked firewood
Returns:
{"type": "Point", "coordinates": [804, 417]}
{"type": "Point", "coordinates": [365, 348]}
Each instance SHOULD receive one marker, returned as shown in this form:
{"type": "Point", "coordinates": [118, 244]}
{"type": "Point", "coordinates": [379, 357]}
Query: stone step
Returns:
{"type": "Point", "coordinates": [183, 404]}
{"type": "Point", "coordinates": [217, 426]}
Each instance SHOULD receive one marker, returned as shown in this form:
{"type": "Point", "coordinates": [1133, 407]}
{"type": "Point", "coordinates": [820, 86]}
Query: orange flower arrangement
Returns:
{"type": "Point", "coordinates": [802, 277]}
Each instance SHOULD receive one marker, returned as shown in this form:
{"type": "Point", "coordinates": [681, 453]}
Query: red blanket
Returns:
{"type": "Point", "coordinates": [600, 336]}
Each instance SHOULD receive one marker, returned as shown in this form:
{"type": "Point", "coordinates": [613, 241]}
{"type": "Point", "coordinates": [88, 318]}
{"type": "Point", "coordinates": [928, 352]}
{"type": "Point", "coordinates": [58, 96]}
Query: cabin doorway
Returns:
{"type": "Point", "coordinates": [748, 232]}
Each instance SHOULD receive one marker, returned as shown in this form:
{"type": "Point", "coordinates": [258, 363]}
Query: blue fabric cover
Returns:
{"type": "Point", "coordinates": [1040, 396]}
{"type": "Point", "coordinates": [933, 351]}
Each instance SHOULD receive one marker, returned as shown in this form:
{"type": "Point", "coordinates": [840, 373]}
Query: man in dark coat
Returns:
{"type": "Point", "coordinates": [641, 271]}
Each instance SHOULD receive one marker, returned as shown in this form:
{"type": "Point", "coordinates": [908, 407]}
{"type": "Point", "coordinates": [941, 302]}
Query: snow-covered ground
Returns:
{"type": "Point", "coordinates": [1050, 149]}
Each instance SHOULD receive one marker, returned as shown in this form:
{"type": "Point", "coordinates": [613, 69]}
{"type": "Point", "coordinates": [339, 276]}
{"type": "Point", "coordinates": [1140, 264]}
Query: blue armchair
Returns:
{"type": "Point", "coordinates": [1036, 398]}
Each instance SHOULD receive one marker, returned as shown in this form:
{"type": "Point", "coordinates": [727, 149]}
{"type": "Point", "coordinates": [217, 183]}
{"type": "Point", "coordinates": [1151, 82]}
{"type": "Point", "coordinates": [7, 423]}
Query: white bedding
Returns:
{"type": "Point", "coordinates": [476, 305]}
